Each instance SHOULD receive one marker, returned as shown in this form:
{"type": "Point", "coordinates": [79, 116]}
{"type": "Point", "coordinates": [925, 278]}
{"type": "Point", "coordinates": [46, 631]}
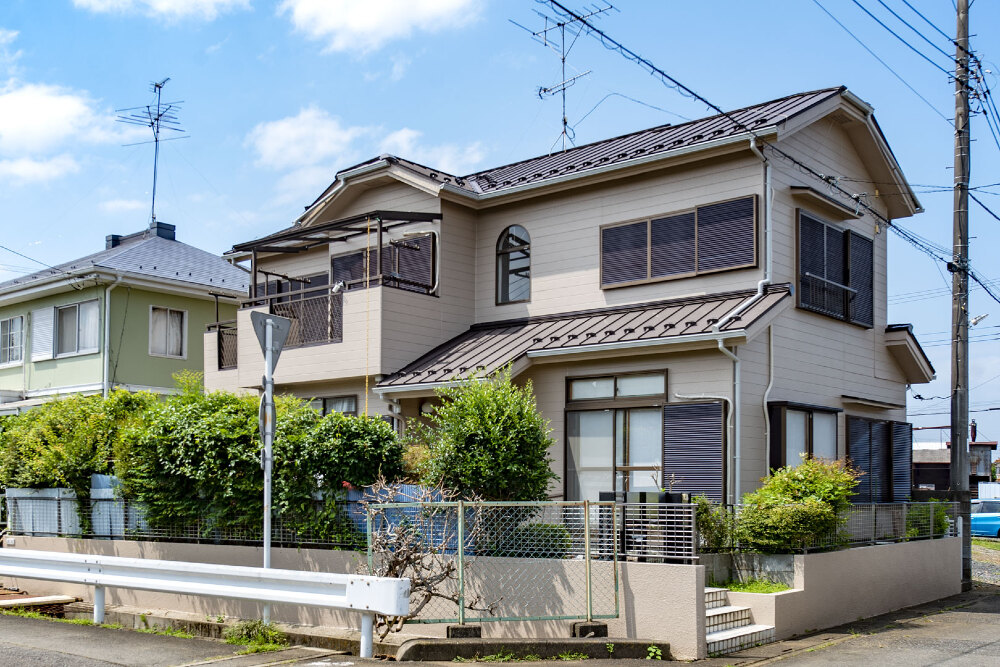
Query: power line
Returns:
{"type": "Point", "coordinates": [897, 36]}
{"type": "Point", "coordinates": [920, 34]}
{"type": "Point", "coordinates": [36, 261]}
{"type": "Point", "coordinates": [883, 63]}
{"type": "Point", "coordinates": [985, 207]}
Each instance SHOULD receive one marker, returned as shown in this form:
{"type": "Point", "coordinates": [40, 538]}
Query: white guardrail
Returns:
{"type": "Point", "coordinates": [363, 594]}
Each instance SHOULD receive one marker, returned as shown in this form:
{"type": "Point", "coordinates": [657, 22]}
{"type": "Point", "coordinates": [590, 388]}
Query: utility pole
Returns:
{"type": "Point", "coordinates": [960, 296]}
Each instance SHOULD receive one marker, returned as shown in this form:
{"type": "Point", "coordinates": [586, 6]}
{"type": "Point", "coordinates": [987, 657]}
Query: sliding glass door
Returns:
{"type": "Point", "coordinates": [612, 450]}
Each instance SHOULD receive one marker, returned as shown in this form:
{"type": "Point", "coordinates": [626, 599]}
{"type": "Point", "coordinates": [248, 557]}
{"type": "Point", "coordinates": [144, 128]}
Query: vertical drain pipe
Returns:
{"type": "Point", "coordinates": [106, 380]}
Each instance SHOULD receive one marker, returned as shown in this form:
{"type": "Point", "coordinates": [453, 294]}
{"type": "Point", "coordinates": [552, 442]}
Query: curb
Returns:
{"type": "Point", "coordinates": [446, 650]}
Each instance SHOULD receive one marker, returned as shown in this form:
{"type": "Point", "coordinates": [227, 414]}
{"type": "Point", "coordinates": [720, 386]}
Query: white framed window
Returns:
{"type": "Point", "coordinates": [167, 332]}
{"type": "Point", "coordinates": [77, 328]}
{"type": "Point", "coordinates": [11, 340]}
{"type": "Point", "coordinates": [347, 405]}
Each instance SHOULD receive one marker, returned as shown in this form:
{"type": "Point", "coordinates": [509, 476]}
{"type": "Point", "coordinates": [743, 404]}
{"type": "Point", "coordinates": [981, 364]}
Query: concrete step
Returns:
{"type": "Point", "coordinates": [726, 618]}
{"type": "Point", "coordinates": [724, 642]}
{"type": "Point", "coordinates": [716, 597]}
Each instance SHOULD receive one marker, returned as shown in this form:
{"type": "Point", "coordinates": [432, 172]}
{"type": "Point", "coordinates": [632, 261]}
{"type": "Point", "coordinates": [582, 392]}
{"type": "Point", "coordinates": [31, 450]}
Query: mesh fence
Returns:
{"type": "Point", "coordinates": [330, 526]}
{"type": "Point", "coordinates": [226, 332]}
{"type": "Point", "coordinates": [502, 561]}
{"type": "Point", "coordinates": [317, 319]}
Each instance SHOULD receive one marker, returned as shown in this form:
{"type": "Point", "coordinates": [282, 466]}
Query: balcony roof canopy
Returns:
{"type": "Point", "coordinates": [303, 237]}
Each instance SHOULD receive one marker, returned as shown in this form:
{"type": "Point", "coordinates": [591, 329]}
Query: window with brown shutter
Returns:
{"type": "Point", "coordinates": [882, 451]}
{"type": "Point", "coordinates": [835, 271]}
{"type": "Point", "coordinates": [715, 237]}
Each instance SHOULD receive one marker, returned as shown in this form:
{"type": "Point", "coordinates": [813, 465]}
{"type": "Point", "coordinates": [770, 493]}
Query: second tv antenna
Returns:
{"type": "Point", "coordinates": [156, 116]}
{"type": "Point", "coordinates": [546, 37]}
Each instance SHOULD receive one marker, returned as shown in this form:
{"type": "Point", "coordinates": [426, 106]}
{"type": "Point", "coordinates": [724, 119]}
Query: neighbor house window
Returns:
{"type": "Point", "coordinates": [347, 405]}
{"type": "Point", "coordinates": [835, 271]}
{"type": "Point", "coordinates": [513, 265]}
{"type": "Point", "coordinates": [11, 337]}
{"type": "Point", "coordinates": [715, 237]}
{"type": "Point", "coordinates": [77, 328]}
{"type": "Point", "coordinates": [167, 332]}
{"type": "Point", "coordinates": [799, 431]}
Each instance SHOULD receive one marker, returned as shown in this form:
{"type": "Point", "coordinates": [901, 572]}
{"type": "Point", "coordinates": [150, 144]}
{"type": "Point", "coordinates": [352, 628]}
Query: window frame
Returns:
{"type": "Point", "coordinates": [184, 334]}
{"type": "Point", "coordinates": [323, 411]}
{"type": "Point", "coordinates": [846, 233]}
{"type": "Point", "coordinates": [496, 266]}
{"type": "Point", "coordinates": [777, 411]}
{"type": "Point", "coordinates": [649, 279]}
{"type": "Point", "coordinates": [56, 354]}
{"type": "Point", "coordinates": [20, 343]}
{"type": "Point", "coordinates": [614, 401]}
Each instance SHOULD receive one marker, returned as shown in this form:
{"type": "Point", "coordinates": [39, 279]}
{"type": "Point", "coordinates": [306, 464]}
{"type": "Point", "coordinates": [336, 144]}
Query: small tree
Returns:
{"type": "Point", "coordinates": [487, 438]}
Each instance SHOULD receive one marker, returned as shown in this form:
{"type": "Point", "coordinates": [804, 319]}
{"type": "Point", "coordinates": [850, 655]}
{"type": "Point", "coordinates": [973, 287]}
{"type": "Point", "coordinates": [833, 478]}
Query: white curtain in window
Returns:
{"type": "Point", "coordinates": [88, 325]}
{"type": "Point", "coordinates": [824, 435]}
{"type": "Point", "coordinates": [67, 329]}
{"type": "Point", "coordinates": [344, 404]}
{"type": "Point", "coordinates": [175, 333]}
{"type": "Point", "coordinates": [796, 423]}
{"type": "Point", "coordinates": [158, 331]}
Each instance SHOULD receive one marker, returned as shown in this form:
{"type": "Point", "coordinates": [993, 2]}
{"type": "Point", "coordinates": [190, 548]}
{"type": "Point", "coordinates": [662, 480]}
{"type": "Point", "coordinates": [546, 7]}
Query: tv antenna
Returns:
{"type": "Point", "coordinates": [156, 116]}
{"type": "Point", "coordinates": [574, 25]}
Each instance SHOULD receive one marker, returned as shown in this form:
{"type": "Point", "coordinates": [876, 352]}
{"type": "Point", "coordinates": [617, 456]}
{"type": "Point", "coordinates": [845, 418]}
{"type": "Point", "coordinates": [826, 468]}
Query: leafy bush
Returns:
{"type": "Point", "coordinates": [487, 438]}
{"type": "Point", "coordinates": [534, 540]}
{"type": "Point", "coordinates": [796, 508]}
{"type": "Point", "coordinates": [257, 636]}
{"type": "Point", "coordinates": [922, 518]}
{"type": "Point", "coordinates": [715, 525]}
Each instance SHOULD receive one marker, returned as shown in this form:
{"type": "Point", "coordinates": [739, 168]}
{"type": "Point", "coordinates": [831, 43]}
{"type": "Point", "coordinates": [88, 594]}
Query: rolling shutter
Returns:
{"type": "Point", "coordinates": [350, 269]}
{"type": "Point", "coordinates": [672, 245]}
{"type": "Point", "coordinates": [41, 334]}
{"type": "Point", "coordinates": [861, 251]}
{"type": "Point", "coordinates": [902, 455]}
{"type": "Point", "coordinates": [812, 260]}
{"type": "Point", "coordinates": [859, 449]}
{"type": "Point", "coordinates": [414, 262]}
{"type": "Point", "coordinates": [726, 234]}
{"type": "Point", "coordinates": [693, 448]}
{"type": "Point", "coordinates": [881, 462]}
{"type": "Point", "coordinates": [623, 253]}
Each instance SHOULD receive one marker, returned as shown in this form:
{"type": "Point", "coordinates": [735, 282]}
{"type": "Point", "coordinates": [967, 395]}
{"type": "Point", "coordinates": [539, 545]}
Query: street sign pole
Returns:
{"type": "Point", "coordinates": [268, 443]}
{"type": "Point", "coordinates": [272, 332]}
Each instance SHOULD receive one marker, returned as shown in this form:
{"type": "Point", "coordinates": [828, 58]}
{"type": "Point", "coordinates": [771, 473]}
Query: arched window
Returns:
{"type": "Point", "coordinates": [513, 265]}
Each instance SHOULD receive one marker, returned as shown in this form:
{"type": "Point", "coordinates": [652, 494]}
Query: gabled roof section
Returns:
{"type": "Point", "coordinates": [485, 348]}
{"type": "Point", "coordinates": [906, 350]}
{"type": "Point", "coordinates": [147, 255]}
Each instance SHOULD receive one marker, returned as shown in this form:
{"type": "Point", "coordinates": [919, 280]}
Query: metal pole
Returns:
{"type": "Point", "coordinates": [960, 292]}
{"type": "Point", "coordinates": [98, 604]}
{"type": "Point", "coordinates": [367, 635]}
{"type": "Point", "coordinates": [371, 548]}
{"type": "Point", "coordinates": [268, 442]}
{"type": "Point", "coordinates": [461, 562]}
{"type": "Point", "coordinates": [586, 559]}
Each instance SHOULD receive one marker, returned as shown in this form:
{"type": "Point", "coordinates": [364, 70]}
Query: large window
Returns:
{"type": "Point", "coordinates": [167, 332]}
{"type": "Point", "coordinates": [715, 237]}
{"type": "Point", "coordinates": [835, 271]}
{"type": "Point", "coordinates": [513, 265]}
{"type": "Point", "coordinates": [347, 405]}
{"type": "Point", "coordinates": [77, 328]}
{"type": "Point", "coordinates": [11, 339]}
{"type": "Point", "coordinates": [799, 431]}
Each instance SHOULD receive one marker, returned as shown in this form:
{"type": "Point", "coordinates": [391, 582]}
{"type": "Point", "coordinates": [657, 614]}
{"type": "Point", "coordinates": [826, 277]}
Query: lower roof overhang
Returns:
{"type": "Point", "coordinates": [906, 350]}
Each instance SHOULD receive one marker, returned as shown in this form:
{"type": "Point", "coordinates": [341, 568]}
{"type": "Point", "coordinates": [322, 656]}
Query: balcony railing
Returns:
{"type": "Point", "coordinates": [826, 296]}
{"type": "Point", "coordinates": [225, 343]}
{"type": "Point", "coordinates": [317, 315]}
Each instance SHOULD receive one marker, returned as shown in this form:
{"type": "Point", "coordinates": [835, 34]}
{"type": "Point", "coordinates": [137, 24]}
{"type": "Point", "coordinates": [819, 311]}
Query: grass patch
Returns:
{"type": "Point", "coordinates": [256, 636]}
{"type": "Point", "coordinates": [166, 632]}
{"type": "Point", "coordinates": [986, 544]}
{"type": "Point", "coordinates": [572, 655]}
{"type": "Point", "coordinates": [508, 656]}
{"type": "Point", "coordinates": [756, 586]}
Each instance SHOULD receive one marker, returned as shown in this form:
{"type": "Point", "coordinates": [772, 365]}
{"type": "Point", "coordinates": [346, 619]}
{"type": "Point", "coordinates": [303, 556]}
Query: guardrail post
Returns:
{"type": "Point", "coordinates": [367, 635]}
{"type": "Point", "coordinates": [586, 559]}
{"type": "Point", "coordinates": [98, 604]}
{"type": "Point", "coordinates": [461, 562]}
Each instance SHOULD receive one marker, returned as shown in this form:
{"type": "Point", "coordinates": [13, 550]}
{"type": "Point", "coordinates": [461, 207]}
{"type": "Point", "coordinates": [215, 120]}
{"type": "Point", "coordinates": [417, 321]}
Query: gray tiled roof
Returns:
{"type": "Point", "coordinates": [154, 257]}
{"type": "Point", "coordinates": [485, 348]}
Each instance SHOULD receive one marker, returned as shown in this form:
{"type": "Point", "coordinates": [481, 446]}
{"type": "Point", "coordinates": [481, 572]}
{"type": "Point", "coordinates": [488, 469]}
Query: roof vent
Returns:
{"type": "Point", "coordinates": [112, 241]}
{"type": "Point", "coordinates": [163, 230]}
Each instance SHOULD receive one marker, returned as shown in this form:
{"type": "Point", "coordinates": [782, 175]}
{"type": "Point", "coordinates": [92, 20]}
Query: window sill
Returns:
{"type": "Point", "coordinates": [11, 364]}
{"type": "Point", "coordinates": [81, 353]}
{"type": "Point", "coordinates": [182, 357]}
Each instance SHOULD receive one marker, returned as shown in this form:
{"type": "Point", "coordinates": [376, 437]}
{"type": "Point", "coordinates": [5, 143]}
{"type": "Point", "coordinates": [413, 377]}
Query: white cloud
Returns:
{"type": "Point", "coordinates": [311, 137]}
{"type": "Point", "coordinates": [8, 57]}
{"type": "Point", "coordinates": [450, 158]}
{"type": "Point", "coordinates": [366, 25]}
{"type": "Point", "coordinates": [206, 10]}
{"type": "Point", "coordinates": [400, 64]}
{"type": "Point", "coordinates": [30, 170]}
{"type": "Point", "coordinates": [122, 205]}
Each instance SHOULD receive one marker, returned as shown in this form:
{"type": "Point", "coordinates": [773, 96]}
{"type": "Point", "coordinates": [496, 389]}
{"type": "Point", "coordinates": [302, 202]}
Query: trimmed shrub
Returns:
{"type": "Point", "coordinates": [715, 525]}
{"type": "Point", "coordinates": [487, 439]}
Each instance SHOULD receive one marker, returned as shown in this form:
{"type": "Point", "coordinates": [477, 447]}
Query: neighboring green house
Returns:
{"type": "Point", "coordinates": [128, 316]}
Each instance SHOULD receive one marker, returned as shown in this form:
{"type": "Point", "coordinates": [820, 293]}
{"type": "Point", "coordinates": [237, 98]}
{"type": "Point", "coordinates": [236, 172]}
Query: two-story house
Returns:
{"type": "Point", "coordinates": [694, 304]}
{"type": "Point", "coordinates": [120, 317]}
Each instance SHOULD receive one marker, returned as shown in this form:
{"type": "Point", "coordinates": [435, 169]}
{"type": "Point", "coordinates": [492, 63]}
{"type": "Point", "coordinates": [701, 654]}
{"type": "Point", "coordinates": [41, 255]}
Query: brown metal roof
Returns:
{"type": "Point", "coordinates": [485, 348]}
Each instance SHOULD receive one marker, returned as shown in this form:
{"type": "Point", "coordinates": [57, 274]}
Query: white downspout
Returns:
{"type": "Point", "coordinates": [767, 393]}
{"type": "Point", "coordinates": [105, 384]}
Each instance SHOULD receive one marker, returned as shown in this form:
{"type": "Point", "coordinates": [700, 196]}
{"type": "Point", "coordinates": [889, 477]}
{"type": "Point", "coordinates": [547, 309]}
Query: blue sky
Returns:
{"type": "Point", "coordinates": [278, 95]}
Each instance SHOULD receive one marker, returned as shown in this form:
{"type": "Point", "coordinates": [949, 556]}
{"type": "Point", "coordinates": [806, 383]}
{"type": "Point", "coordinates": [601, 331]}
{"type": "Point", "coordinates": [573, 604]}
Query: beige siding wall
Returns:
{"type": "Point", "coordinates": [393, 196]}
{"type": "Point", "coordinates": [413, 324]}
{"type": "Point", "coordinates": [565, 237]}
